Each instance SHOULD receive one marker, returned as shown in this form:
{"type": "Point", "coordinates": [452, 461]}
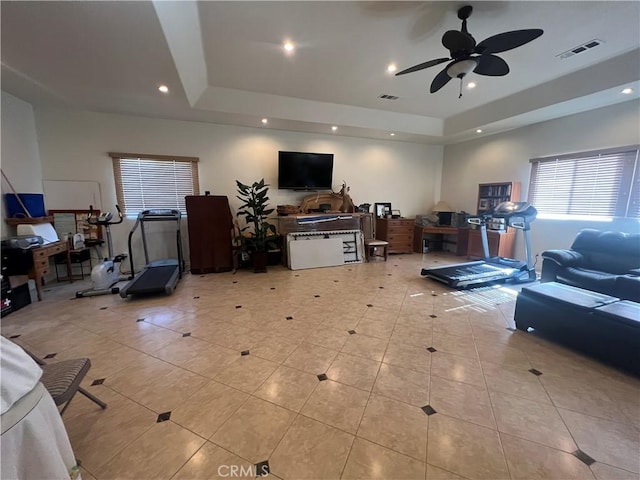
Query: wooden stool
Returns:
{"type": "Point", "coordinates": [370, 248]}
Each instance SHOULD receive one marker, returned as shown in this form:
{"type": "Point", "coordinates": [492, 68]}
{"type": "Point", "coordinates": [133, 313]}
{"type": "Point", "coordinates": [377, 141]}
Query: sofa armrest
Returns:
{"type": "Point", "coordinates": [564, 258]}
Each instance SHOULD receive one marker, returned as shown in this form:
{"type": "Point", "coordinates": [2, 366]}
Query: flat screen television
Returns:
{"type": "Point", "coordinates": [305, 171]}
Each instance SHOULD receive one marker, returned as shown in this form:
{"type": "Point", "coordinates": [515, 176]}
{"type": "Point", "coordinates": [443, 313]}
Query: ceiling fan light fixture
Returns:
{"type": "Point", "coordinates": [289, 47]}
{"type": "Point", "coordinates": [462, 68]}
{"type": "Point", "coordinates": [391, 67]}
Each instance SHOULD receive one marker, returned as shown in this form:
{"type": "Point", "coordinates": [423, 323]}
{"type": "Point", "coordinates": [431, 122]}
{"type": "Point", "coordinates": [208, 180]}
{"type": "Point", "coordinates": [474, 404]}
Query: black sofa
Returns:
{"type": "Point", "coordinates": [600, 261]}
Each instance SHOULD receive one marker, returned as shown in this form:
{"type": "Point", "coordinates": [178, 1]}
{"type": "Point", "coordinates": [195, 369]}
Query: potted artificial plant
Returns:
{"type": "Point", "coordinates": [254, 236]}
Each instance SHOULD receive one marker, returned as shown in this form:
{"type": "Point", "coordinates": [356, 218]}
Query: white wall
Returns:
{"type": "Point", "coordinates": [20, 156]}
{"type": "Point", "coordinates": [74, 146]}
{"type": "Point", "coordinates": [505, 157]}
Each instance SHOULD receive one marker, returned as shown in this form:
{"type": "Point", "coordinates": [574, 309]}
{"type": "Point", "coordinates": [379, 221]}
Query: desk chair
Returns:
{"type": "Point", "coordinates": [62, 379]}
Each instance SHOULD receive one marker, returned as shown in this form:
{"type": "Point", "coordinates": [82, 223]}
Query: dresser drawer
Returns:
{"type": "Point", "coordinates": [400, 248]}
{"type": "Point", "coordinates": [41, 266]}
{"type": "Point", "coordinates": [399, 229]}
{"type": "Point", "coordinates": [400, 238]}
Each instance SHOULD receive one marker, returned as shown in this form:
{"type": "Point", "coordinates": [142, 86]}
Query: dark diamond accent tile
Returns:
{"type": "Point", "coordinates": [273, 288]}
{"type": "Point", "coordinates": [289, 317]}
{"type": "Point", "coordinates": [262, 469]}
{"type": "Point", "coordinates": [389, 274]}
{"type": "Point", "coordinates": [238, 306]}
{"type": "Point", "coordinates": [583, 457]}
{"type": "Point", "coordinates": [103, 308]}
{"type": "Point", "coordinates": [235, 281]}
{"type": "Point", "coordinates": [163, 417]}
{"type": "Point", "coordinates": [431, 349]}
{"type": "Point", "coordinates": [381, 287]}
{"type": "Point", "coordinates": [140, 320]}
{"type": "Point", "coordinates": [50, 355]}
{"type": "Point", "coordinates": [296, 275]}
{"type": "Point", "coordinates": [14, 336]}
{"type": "Point", "coordinates": [395, 265]}
{"type": "Point", "coordinates": [433, 294]}
{"type": "Point", "coordinates": [98, 381]}
{"type": "Point", "coordinates": [336, 281]}
{"type": "Point", "coordinates": [433, 316]}
{"type": "Point", "coordinates": [201, 276]}
{"type": "Point", "coordinates": [537, 373]}
{"type": "Point", "coordinates": [351, 332]}
{"type": "Point", "coordinates": [317, 296]}
{"type": "Point", "coordinates": [245, 352]}
{"type": "Point", "coordinates": [322, 377]}
{"type": "Point", "coordinates": [188, 334]}
{"type": "Point", "coordinates": [369, 305]}
{"type": "Point", "coordinates": [511, 329]}
{"type": "Point", "coordinates": [196, 297]}
{"type": "Point", "coordinates": [429, 410]}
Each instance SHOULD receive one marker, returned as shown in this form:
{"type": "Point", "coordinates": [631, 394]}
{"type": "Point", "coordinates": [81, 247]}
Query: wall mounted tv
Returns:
{"type": "Point", "coordinates": [305, 171]}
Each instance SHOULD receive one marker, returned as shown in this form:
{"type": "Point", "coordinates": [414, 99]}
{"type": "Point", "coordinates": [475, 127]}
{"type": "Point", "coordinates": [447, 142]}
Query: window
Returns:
{"type": "Point", "coordinates": [592, 185]}
{"type": "Point", "coordinates": [154, 181]}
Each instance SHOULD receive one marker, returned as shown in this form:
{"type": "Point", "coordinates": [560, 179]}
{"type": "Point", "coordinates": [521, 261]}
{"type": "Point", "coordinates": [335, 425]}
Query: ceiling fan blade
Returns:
{"type": "Point", "coordinates": [507, 40]}
{"type": "Point", "coordinates": [456, 41]}
{"type": "Point", "coordinates": [441, 80]}
{"type": "Point", "coordinates": [422, 66]}
{"type": "Point", "coordinates": [491, 65]}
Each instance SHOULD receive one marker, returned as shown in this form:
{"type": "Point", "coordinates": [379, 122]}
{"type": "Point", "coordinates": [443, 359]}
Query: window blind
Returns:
{"type": "Point", "coordinates": [594, 184]}
{"type": "Point", "coordinates": [148, 182]}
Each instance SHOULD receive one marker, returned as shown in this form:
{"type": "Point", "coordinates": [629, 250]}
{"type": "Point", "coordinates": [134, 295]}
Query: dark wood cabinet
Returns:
{"type": "Point", "coordinates": [501, 244]}
{"type": "Point", "coordinates": [210, 227]}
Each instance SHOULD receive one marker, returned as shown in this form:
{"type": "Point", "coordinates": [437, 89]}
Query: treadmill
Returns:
{"type": "Point", "coordinates": [158, 276]}
{"type": "Point", "coordinates": [493, 270]}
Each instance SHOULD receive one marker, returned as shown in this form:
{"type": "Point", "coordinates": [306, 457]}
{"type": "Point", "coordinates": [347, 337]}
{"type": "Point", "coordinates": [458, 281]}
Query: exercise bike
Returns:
{"type": "Point", "coordinates": [105, 275]}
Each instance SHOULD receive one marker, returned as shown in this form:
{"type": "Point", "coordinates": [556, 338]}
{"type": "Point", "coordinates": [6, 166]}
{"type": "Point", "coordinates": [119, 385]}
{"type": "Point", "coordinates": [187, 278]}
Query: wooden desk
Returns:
{"type": "Point", "coordinates": [461, 235]}
{"type": "Point", "coordinates": [41, 266]}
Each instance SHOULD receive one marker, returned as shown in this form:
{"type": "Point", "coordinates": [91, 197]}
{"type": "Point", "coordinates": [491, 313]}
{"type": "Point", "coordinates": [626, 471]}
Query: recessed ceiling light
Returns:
{"type": "Point", "coordinates": [334, 128]}
{"type": "Point", "coordinates": [265, 121]}
{"type": "Point", "coordinates": [627, 91]}
{"type": "Point", "coordinates": [392, 134]}
{"type": "Point", "coordinates": [471, 85]}
{"type": "Point", "coordinates": [479, 130]}
{"type": "Point", "coordinates": [391, 67]}
{"type": "Point", "coordinates": [163, 89]}
{"type": "Point", "coordinates": [289, 47]}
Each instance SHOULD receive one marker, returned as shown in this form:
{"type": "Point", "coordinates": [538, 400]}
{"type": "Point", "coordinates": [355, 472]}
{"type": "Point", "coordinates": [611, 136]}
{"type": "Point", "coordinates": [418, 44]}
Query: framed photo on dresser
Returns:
{"type": "Point", "coordinates": [383, 209]}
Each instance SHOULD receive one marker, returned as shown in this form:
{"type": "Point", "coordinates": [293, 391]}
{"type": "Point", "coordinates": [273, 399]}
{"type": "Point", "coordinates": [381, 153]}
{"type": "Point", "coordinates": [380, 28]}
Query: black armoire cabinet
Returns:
{"type": "Point", "coordinates": [210, 226]}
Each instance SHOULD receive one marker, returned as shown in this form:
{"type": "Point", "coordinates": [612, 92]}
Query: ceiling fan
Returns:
{"type": "Point", "coordinates": [467, 56]}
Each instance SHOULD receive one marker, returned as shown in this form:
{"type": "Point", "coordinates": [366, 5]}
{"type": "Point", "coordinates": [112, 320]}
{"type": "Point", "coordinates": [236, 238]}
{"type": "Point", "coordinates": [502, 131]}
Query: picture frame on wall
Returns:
{"type": "Point", "coordinates": [382, 209]}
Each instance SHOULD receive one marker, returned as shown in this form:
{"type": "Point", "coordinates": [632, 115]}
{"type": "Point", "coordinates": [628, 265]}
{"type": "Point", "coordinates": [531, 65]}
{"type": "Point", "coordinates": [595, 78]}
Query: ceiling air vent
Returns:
{"type": "Point", "coordinates": [388, 97]}
{"type": "Point", "coordinates": [580, 48]}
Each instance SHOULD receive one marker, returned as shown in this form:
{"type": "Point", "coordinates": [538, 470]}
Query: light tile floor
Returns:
{"type": "Point", "coordinates": [354, 372]}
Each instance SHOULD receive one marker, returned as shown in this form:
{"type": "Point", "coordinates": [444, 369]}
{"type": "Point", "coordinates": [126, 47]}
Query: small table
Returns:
{"type": "Point", "coordinates": [41, 257]}
{"type": "Point", "coordinates": [441, 231]}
